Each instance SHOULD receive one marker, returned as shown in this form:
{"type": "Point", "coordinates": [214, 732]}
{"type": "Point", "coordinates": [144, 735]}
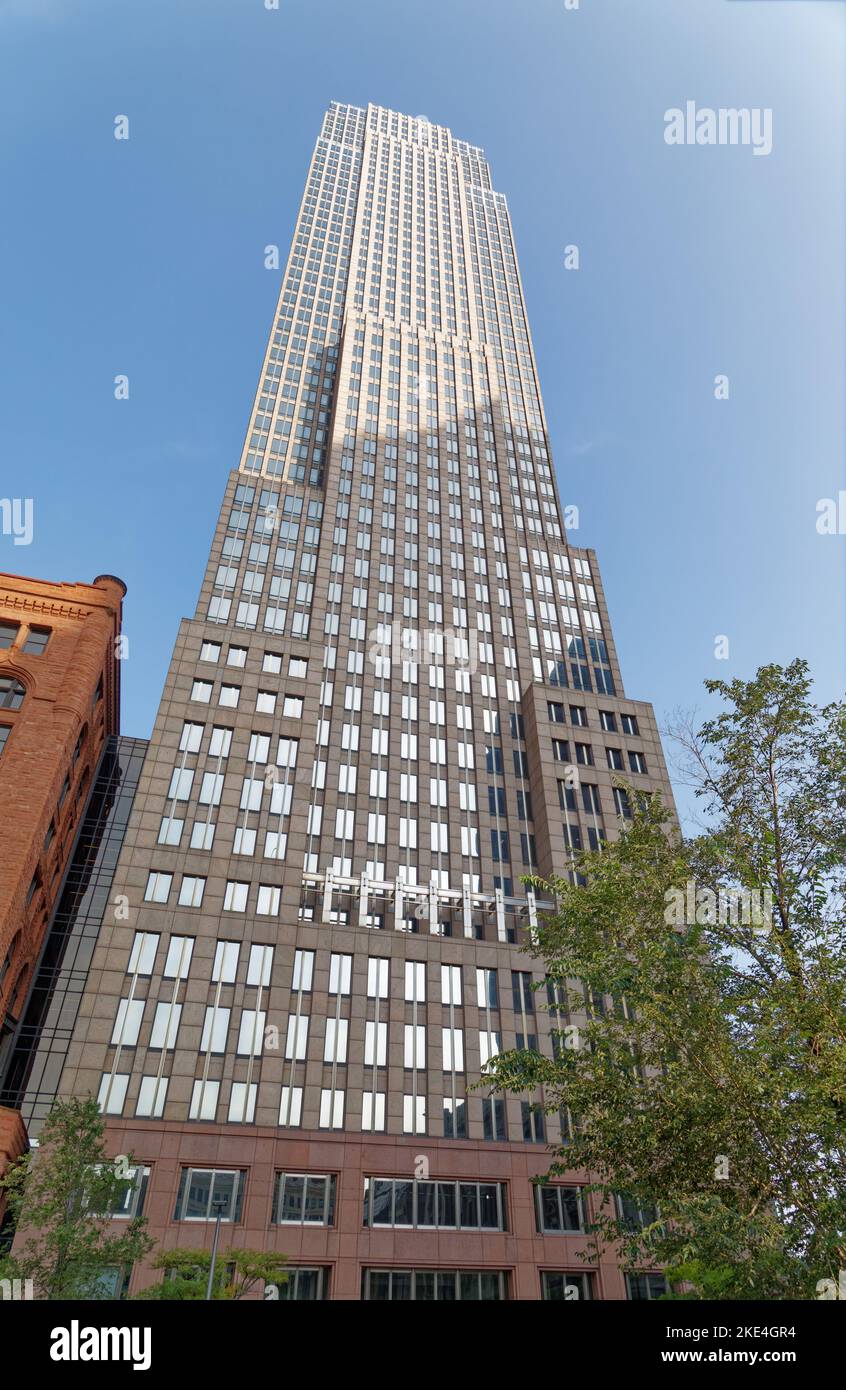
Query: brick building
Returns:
{"type": "Point", "coordinates": [59, 703]}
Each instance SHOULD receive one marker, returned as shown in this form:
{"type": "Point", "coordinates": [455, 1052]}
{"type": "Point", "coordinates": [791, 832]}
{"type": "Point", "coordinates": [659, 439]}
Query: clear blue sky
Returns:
{"type": "Point", "coordinates": [146, 258]}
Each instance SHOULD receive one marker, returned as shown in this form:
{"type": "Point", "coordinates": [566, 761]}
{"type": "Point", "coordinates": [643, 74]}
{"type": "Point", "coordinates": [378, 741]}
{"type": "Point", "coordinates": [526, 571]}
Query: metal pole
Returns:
{"type": "Point", "coordinates": [219, 1203]}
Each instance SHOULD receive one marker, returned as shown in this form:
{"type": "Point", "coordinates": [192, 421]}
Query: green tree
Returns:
{"type": "Point", "coordinates": [237, 1274]}
{"type": "Point", "coordinates": [712, 1085]}
{"type": "Point", "coordinates": [61, 1197]}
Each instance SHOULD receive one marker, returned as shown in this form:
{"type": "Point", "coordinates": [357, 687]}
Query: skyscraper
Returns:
{"type": "Point", "coordinates": [398, 695]}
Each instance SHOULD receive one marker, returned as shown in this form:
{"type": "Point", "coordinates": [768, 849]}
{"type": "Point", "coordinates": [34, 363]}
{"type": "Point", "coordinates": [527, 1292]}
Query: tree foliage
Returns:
{"type": "Point", "coordinates": [60, 1197]}
{"type": "Point", "coordinates": [713, 1084]}
{"type": "Point", "coordinates": [237, 1274]}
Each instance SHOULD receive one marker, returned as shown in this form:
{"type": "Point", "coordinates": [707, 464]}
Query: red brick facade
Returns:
{"type": "Point", "coordinates": [59, 666]}
{"type": "Point", "coordinates": [347, 1247]}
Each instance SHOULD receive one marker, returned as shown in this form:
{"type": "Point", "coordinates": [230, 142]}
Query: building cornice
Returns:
{"type": "Point", "coordinates": [53, 608]}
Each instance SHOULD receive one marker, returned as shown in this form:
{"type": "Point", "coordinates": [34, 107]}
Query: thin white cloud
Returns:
{"type": "Point", "coordinates": [580, 447]}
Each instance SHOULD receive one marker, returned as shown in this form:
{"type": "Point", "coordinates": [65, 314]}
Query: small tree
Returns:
{"type": "Point", "coordinates": [61, 1198]}
{"type": "Point", "coordinates": [237, 1273]}
{"type": "Point", "coordinates": [713, 1087]}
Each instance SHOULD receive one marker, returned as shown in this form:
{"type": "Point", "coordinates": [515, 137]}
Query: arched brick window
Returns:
{"type": "Point", "coordinates": [12, 693]}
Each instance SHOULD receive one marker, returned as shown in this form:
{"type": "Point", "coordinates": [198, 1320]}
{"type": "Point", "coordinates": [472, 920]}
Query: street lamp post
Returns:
{"type": "Point", "coordinates": [219, 1204]}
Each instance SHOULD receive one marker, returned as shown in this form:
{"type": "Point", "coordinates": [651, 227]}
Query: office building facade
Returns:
{"type": "Point", "coordinates": [398, 696]}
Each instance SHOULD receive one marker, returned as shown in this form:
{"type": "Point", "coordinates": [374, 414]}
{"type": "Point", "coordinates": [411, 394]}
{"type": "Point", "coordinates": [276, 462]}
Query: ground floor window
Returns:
{"type": "Point", "coordinates": [645, 1286]}
{"type": "Point", "coordinates": [558, 1285]}
{"type": "Point", "coordinates": [113, 1281]}
{"type": "Point", "coordinates": [305, 1285]}
{"type": "Point", "coordinates": [433, 1285]}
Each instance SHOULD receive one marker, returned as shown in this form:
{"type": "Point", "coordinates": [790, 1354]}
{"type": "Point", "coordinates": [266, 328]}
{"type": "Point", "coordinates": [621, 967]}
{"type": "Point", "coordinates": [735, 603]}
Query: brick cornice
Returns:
{"type": "Point", "coordinates": [25, 603]}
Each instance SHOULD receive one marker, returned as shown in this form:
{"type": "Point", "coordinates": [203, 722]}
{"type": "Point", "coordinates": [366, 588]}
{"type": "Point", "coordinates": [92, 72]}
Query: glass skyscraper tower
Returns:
{"type": "Point", "coordinates": [399, 695]}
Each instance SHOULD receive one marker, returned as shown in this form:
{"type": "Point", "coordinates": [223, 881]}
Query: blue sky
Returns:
{"type": "Point", "coordinates": [146, 257]}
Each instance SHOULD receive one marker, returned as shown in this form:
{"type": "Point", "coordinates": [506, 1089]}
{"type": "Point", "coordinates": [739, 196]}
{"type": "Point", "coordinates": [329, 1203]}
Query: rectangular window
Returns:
{"type": "Point", "coordinates": [165, 1026]}
{"type": "Point", "coordinates": [453, 1206]}
{"type": "Point", "coordinates": [415, 982]}
{"type": "Point", "coordinates": [291, 1107]}
{"type": "Point", "coordinates": [235, 897]}
{"type": "Point", "coordinates": [191, 891]}
{"type": "Point", "coordinates": [558, 1285]}
{"type": "Point", "coordinates": [523, 996]}
{"type": "Point", "coordinates": [191, 737]}
{"type": "Point", "coordinates": [648, 1287]}
{"type": "Point", "coordinates": [304, 1199]}
{"type": "Point", "coordinates": [269, 900]}
{"type": "Point", "coordinates": [453, 1049]}
{"type": "Point", "coordinates": [143, 953]}
{"type": "Point", "coordinates": [215, 1029]}
{"type": "Point", "coordinates": [331, 1109]}
{"type": "Point", "coordinates": [127, 1023]}
{"type": "Point", "coordinates": [225, 962]}
{"type": "Point", "coordinates": [377, 978]}
{"type": "Point", "coordinates": [130, 1203]}
{"type": "Point", "coordinates": [158, 887]}
{"type": "Point", "coordinates": [260, 965]}
{"type": "Point", "coordinates": [454, 1117]}
{"type": "Point", "coordinates": [242, 1103]}
{"type": "Point", "coordinates": [304, 1285]}
{"type": "Point", "coordinates": [303, 970]}
{"type": "Point", "coordinates": [204, 1098]}
{"type": "Point", "coordinates": [433, 1285]}
{"type": "Point", "coordinates": [375, 1044]}
{"type": "Point", "coordinates": [558, 1209]}
{"type": "Point", "coordinates": [251, 1033]}
{"type": "Point", "coordinates": [205, 1193]}
{"type": "Point", "coordinates": [493, 1120]}
{"type": "Point", "coordinates": [297, 1038]}
{"type": "Point", "coordinates": [414, 1047]}
{"type": "Point", "coordinates": [179, 952]}
{"type": "Point", "coordinates": [112, 1092]}
{"type": "Point", "coordinates": [534, 1129]}
{"type": "Point", "coordinates": [413, 1114]}
{"type": "Point", "coordinates": [451, 985]}
{"type": "Point", "coordinates": [335, 1040]}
